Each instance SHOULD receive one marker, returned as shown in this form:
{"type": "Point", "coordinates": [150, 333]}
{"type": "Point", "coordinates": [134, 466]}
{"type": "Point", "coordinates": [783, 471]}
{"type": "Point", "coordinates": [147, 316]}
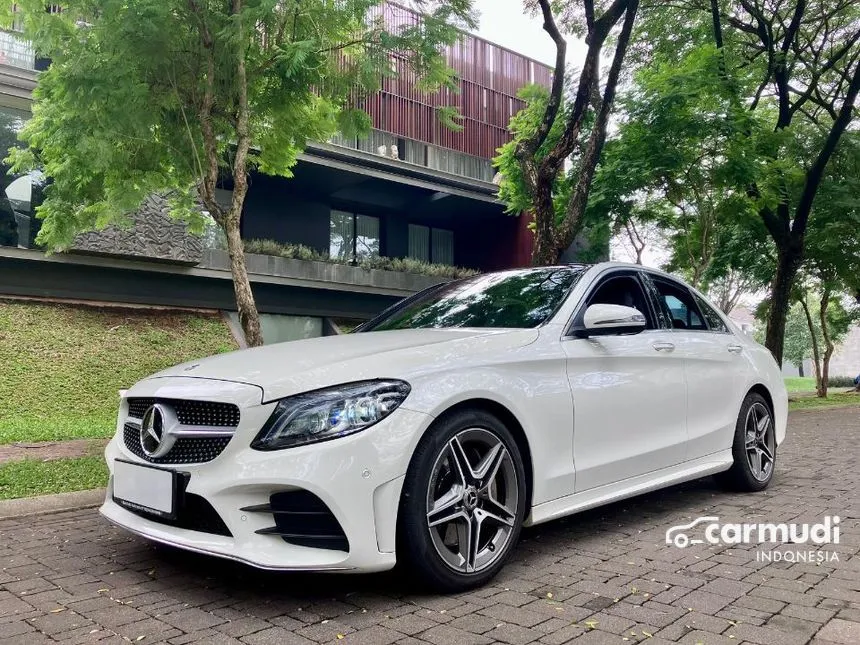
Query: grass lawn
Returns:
{"type": "Point", "coordinates": [800, 383]}
{"type": "Point", "coordinates": [834, 398]}
{"type": "Point", "coordinates": [63, 365]}
{"type": "Point", "coordinates": [31, 478]}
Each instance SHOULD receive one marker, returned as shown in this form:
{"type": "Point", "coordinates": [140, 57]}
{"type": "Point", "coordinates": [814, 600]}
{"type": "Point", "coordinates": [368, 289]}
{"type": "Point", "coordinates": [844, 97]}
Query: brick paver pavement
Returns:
{"type": "Point", "coordinates": [604, 576]}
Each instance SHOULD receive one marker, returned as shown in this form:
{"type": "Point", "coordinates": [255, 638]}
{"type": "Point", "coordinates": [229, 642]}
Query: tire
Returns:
{"type": "Point", "coordinates": [442, 510]}
{"type": "Point", "coordinates": [754, 454]}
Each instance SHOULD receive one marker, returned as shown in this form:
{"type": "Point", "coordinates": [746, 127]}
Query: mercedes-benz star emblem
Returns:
{"type": "Point", "coordinates": [155, 438]}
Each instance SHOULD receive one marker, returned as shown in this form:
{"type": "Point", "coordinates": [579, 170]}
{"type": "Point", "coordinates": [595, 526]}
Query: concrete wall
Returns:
{"type": "Point", "coordinates": [109, 280]}
{"type": "Point", "coordinates": [846, 359]}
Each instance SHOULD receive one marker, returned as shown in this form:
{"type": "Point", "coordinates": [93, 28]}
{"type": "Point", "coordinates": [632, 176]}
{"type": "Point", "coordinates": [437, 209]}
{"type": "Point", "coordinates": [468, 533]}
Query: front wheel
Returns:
{"type": "Point", "coordinates": [754, 447]}
{"type": "Point", "coordinates": [463, 502]}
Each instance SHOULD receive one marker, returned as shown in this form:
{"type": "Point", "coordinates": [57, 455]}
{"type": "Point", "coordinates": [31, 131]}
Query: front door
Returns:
{"type": "Point", "coordinates": [629, 393]}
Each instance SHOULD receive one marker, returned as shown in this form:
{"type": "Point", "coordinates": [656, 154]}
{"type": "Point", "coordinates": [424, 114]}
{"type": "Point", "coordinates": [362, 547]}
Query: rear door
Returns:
{"type": "Point", "coordinates": [629, 392]}
{"type": "Point", "coordinates": [713, 364]}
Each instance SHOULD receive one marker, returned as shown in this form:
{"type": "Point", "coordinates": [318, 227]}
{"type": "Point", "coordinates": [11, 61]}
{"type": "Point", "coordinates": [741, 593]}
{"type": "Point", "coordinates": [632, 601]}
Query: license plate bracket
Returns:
{"type": "Point", "coordinates": [149, 489]}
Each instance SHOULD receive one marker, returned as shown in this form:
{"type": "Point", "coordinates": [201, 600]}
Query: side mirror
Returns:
{"type": "Point", "coordinates": [610, 320]}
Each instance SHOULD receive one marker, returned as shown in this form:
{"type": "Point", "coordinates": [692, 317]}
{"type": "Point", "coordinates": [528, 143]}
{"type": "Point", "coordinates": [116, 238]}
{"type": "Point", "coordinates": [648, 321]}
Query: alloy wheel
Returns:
{"type": "Point", "coordinates": [472, 500]}
{"type": "Point", "coordinates": [760, 441]}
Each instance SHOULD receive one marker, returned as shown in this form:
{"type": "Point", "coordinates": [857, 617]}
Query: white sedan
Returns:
{"type": "Point", "coordinates": [439, 429]}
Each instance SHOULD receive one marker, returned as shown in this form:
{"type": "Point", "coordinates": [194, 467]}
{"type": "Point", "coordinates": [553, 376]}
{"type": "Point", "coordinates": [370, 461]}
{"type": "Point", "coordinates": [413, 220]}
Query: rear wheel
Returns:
{"type": "Point", "coordinates": [463, 502]}
{"type": "Point", "coordinates": [754, 448]}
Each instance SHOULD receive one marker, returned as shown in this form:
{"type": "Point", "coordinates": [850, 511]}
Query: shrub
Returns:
{"type": "Point", "coordinates": [840, 381]}
{"type": "Point", "coordinates": [403, 265]}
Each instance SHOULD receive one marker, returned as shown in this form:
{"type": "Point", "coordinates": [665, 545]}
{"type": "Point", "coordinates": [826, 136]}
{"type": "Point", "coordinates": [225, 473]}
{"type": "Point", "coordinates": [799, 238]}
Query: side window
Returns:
{"type": "Point", "coordinates": [715, 322]}
{"type": "Point", "coordinates": [682, 308]}
{"type": "Point", "coordinates": [622, 290]}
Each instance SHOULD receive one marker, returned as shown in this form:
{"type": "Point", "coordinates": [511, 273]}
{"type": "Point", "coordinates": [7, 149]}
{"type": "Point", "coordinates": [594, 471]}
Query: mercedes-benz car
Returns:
{"type": "Point", "coordinates": [433, 433]}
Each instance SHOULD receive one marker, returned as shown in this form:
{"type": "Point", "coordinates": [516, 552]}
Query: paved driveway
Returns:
{"type": "Point", "coordinates": [605, 576]}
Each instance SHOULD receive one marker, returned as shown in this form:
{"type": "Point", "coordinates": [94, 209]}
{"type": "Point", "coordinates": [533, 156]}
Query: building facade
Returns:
{"type": "Point", "coordinates": [411, 189]}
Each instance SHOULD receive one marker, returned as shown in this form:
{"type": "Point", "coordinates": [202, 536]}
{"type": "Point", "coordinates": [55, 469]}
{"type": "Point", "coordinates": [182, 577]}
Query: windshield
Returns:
{"type": "Point", "coordinates": [512, 299]}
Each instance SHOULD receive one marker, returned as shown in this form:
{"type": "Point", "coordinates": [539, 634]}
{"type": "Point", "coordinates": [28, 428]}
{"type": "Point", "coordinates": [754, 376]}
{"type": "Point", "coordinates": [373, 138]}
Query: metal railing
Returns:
{"type": "Point", "coordinates": [420, 154]}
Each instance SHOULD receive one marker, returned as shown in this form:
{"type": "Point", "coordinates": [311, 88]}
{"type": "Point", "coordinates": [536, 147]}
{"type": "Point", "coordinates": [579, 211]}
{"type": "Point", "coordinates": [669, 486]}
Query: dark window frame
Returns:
{"type": "Point", "coordinates": [681, 287]}
{"type": "Point", "coordinates": [700, 300]}
{"type": "Point", "coordinates": [355, 215]}
{"type": "Point", "coordinates": [430, 230]}
{"type": "Point", "coordinates": [654, 321]}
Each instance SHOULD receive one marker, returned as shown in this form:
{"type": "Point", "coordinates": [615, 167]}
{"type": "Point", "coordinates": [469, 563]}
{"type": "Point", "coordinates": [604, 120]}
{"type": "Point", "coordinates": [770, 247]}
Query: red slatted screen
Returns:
{"type": "Point", "coordinates": [490, 77]}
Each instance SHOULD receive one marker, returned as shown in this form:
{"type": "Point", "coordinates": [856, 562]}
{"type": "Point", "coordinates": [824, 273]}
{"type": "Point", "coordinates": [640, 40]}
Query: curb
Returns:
{"type": "Point", "coordinates": [11, 508]}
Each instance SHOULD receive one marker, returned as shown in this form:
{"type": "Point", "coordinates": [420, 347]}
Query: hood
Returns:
{"type": "Point", "coordinates": [300, 366]}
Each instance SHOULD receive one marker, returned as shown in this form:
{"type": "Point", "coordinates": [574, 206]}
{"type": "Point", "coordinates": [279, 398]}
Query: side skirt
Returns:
{"type": "Point", "coordinates": [631, 487]}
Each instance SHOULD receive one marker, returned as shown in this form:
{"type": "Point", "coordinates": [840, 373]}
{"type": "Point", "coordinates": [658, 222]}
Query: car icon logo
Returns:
{"type": "Point", "coordinates": [678, 537]}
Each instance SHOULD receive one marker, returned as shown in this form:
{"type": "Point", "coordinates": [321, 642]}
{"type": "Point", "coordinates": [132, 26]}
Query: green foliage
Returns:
{"type": "Point", "coordinates": [63, 365]}
{"type": "Point", "coordinates": [123, 110]}
{"type": "Point", "coordinates": [833, 400]}
{"type": "Point", "coordinates": [30, 478]}
{"type": "Point", "coordinates": [807, 384]}
{"type": "Point", "coordinates": [798, 339]}
{"type": "Point", "coordinates": [799, 384]}
{"type": "Point", "coordinates": [512, 190]}
{"type": "Point", "coordinates": [681, 161]}
{"type": "Point", "coordinates": [403, 265]}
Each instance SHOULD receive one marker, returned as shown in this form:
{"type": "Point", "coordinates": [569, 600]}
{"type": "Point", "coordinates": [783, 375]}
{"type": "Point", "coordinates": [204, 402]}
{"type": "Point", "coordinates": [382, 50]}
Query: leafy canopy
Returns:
{"type": "Point", "coordinates": [134, 84]}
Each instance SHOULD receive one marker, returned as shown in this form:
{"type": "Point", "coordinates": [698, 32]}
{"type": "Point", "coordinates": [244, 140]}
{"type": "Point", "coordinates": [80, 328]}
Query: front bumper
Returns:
{"type": "Point", "coordinates": [359, 478]}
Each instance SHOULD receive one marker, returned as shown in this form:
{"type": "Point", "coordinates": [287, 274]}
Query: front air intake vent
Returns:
{"type": "Point", "coordinates": [194, 514]}
{"type": "Point", "coordinates": [303, 519]}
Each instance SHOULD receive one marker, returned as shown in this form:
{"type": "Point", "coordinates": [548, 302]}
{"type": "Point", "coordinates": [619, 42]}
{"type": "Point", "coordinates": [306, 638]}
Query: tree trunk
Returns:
{"type": "Point", "coordinates": [544, 251]}
{"type": "Point", "coordinates": [572, 224]}
{"type": "Point", "coordinates": [816, 355]}
{"type": "Point", "coordinates": [249, 318]}
{"type": "Point", "coordinates": [788, 263]}
{"type": "Point", "coordinates": [829, 347]}
{"type": "Point", "coordinates": [800, 370]}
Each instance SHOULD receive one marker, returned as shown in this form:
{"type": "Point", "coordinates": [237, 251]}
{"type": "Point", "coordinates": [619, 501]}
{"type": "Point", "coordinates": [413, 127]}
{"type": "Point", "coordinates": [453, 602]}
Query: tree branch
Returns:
{"type": "Point", "coordinates": [816, 172]}
{"type": "Point", "coordinates": [530, 147]}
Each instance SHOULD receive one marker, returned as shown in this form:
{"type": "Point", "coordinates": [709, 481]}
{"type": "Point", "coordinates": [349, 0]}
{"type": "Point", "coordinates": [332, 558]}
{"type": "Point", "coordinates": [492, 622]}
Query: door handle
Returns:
{"type": "Point", "coordinates": [664, 347]}
{"type": "Point", "coordinates": [735, 349]}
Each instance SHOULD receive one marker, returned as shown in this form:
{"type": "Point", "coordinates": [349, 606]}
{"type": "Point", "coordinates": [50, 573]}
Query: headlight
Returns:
{"type": "Point", "coordinates": [330, 413]}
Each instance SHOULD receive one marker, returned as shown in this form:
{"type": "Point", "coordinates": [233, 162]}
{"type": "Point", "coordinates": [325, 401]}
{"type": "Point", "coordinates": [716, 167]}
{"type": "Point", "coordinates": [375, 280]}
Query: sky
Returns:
{"type": "Point", "coordinates": [504, 22]}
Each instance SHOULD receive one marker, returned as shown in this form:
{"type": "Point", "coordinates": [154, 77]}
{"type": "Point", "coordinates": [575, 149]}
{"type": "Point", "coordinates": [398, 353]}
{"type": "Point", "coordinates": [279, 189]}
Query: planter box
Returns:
{"type": "Point", "coordinates": [376, 280]}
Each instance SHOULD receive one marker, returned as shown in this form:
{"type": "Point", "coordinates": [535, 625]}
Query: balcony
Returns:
{"type": "Point", "coordinates": [16, 51]}
{"type": "Point", "coordinates": [420, 154]}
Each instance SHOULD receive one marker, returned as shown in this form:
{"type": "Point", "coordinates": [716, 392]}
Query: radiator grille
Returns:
{"type": "Point", "coordinates": [186, 450]}
{"type": "Point", "coordinates": [191, 413]}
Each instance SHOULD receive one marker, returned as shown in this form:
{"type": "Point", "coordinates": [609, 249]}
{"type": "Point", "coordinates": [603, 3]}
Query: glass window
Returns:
{"type": "Point", "coordinates": [367, 237]}
{"type": "Point", "coordinates": [513, 299]}
{"type": "Point", "coordinates": [443, 246]}
{"type": "Point", "coordinates": [342, 237]}
{"type": "Point", "coordinates": [681, 306]}
{"type": "Point", "coordinates": [353, 237]}
{"type": "Point", "coordinates": [419, 242]}
{"type": "Point", "coordinates": [715, 321]}
{"type": "Point", "coordinates": [19, 194]}
{"type": "Point", "coordinates": [622, 290]}
{"type": "Point", "coordinates": [434, 245]}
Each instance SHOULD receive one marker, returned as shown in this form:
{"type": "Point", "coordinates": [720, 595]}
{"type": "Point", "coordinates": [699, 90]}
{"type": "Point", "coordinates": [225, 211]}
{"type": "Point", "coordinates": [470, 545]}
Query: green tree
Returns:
{"type": "Point", "coordinates": [179, 97]}
{"type": "Point", "coordinates": [804, 58]}
{"type": "Point", "coordinates": [831, 270]}
{"type": "Point", "coordinates": [556, 129]}
{"type": "Point", "coordinates": [678, 162]}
